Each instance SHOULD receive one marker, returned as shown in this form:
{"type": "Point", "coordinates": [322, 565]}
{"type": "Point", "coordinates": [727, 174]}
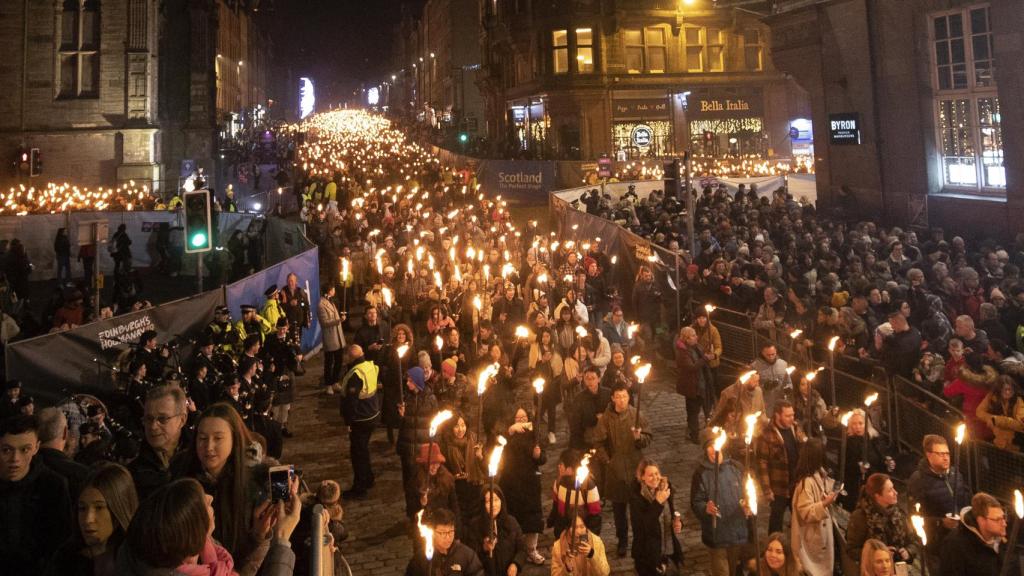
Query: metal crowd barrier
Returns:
{"type": "Point", "coordinates": [904, 413]}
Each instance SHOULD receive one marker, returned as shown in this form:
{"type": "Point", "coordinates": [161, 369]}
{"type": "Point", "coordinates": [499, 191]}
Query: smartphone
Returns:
{"type": "Point", "coordinates": [279, 480]}
{"type": "Point", "coordinates": [582, 539]}
{"type": "Point", "coordinates": [838, 487]}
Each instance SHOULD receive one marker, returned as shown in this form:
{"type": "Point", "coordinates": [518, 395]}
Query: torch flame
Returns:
{"type": "Point", "coordinates": [438, 419]}
{"type": "Point", "coordinates": [642, 372]}
{"type": "Point", "coordinates": [581, 331]}
{"type": "Point", "coordinates": [751, 421]}
{"type": "Point", "coordinates": [386, 293]}
{"type": "Point", "coordinates": [1018, 504]}
{"type": "Point", "coordinates": [751, 490]}
{"type": "Point", "coordinates": [477, 303]}
{"type": "Point", "coordinates": [709, 308]}
{"type": "Point", "coordinates": [746, 376]}
{"type": "Point", "coordinates": [487, 374]}
{"type": "Point", "coordinates": [845, 418]}
{"type": "Point", "coordinates": [961, 429]}
{"type": "Point", "coordinates": [634, 360]}
{"type": "Point", "coordinates": [810, 376]}
{"type": "Point", "coordinates": [427, 534]}
{"type": "Point", "coordinates": [538, 385]}
{"type": "Point", "coordinates": [582, 471]}
{"type": "Point", "coordinates": [495, 459]}
{"type": "Point", "coordinates": [438, 342]}
{"type": "Point", "coordinates": [918, 521]}
{"type": "Point", "coordinates": [870, 399]}
{"type": "Point", "coordinates": [522, 332]}
{"type": "Point", "coordinates": [402, 350]}
{"type": "Point", "coordinates": [631, 329]}
{"type": "Point", "coordinates": [721, 439]}
{"type": "Point", "coordinates": [790, 370]}
{"type": "Point", "coordinates": [795, 333]}
{"type": "Point", "coordinates": [832, 343]}
{"type": "Point", "coordinates": [344, 269]}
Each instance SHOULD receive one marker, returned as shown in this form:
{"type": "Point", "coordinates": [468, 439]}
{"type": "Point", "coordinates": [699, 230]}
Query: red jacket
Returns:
{"type": "Point", "coordinates": [690, 380]}
{"type": "Point", "coordinates": [973, 387]}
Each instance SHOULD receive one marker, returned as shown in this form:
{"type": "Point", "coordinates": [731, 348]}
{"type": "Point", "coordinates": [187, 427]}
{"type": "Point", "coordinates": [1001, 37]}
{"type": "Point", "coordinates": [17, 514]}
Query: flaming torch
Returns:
{"type": "Point", "coordinates": [641, 375]}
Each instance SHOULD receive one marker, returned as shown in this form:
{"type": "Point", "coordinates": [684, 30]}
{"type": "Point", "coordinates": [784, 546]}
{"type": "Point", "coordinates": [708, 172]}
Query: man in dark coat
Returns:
{"type": "Point", "coordinates": [941, 490]}
{"type": "Point", "coordinates": [53, 439]}
{"type": "Point", "coordinates": [372, 336]}
{"type": "Point", "coordinates": [35, 507]}
{"type": "Point", "coordinates": [450, 556]}
{"type": "Point", "coordinates": [166, 447]}
{"type": "Point", "coordinates": [977, 547]}
{"type": "Point", "coordinates": [587, 406]}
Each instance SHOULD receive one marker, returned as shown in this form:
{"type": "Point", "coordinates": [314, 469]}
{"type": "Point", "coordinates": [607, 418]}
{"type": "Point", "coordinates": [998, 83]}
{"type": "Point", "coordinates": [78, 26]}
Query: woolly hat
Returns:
{"type": "Point", "coordinates": [448, 368]}
{"type": "Point", "coordinates": [416, 375]}
{"type": "Point", "coordinates": [433, 451]}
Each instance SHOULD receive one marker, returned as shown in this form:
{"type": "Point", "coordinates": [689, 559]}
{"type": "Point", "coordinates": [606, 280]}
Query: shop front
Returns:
{"type": "Point", "coordinates": [641, 127]}
{"type": "Point", "coordinates": [529, 125]}
{"type": "Point", "coordinates": [727, 122]}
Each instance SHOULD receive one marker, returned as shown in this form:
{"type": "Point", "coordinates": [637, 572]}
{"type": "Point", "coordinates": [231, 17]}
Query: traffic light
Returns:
{"type": "Point", "coordinates": [198, 230]}
{"type": "Point", "coordinates": [35, 162]}
{"type": "Point", "coordinates": [463, 137]}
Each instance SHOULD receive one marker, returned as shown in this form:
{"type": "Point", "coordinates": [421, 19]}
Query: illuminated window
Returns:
{"type": "Point", "coordinates": [584, 50]}
{"type": "Point", "coordinates": [560, 48]}
{"type": "Point", "coordinates": [79, 49]}
{"type": "Point", "coordinates": [967, 110]}
{"type": "Point", "coordinates": [753, 50]}
{"type": "Point", "coordinates": [645, 50]}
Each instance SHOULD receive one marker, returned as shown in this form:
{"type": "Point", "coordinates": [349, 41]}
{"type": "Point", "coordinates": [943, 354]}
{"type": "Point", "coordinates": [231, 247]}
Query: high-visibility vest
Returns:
{"type": "Point", "coordinates": [367, 372]}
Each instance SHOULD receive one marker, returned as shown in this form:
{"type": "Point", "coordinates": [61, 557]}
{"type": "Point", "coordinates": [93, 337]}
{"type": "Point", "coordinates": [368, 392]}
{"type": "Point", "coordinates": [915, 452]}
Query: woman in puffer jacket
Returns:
{"type": "Point", "coordinates": [1003, 411]}
{"type": "Point", "coordinates": [973, 382]}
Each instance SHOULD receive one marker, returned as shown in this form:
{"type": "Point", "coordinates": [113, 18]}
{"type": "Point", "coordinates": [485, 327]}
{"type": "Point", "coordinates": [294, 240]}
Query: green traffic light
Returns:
{"type": "Point", "coordinates": [198, 240]}
{"type": "Point", "coordinates": [463, 137]}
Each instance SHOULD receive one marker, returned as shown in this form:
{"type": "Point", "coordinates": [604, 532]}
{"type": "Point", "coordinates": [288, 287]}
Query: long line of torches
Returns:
{"type": "Point", "coordinates": [749, 166]}
{"type": "Point", "coordinates": [54, 198]}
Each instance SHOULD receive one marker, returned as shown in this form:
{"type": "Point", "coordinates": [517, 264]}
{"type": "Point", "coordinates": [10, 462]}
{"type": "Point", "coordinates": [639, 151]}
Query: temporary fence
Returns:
{"type": "Point", "coordinates": [904, 411]}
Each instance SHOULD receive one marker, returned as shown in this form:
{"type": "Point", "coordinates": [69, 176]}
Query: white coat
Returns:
{"type": "Point", "coordinates": [811, 532]}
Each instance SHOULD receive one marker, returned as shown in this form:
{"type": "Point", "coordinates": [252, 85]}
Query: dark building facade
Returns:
{"type": "Point", "coordinates": [916, 106]}
{"type": "Point", "coordinates": [574, 79]}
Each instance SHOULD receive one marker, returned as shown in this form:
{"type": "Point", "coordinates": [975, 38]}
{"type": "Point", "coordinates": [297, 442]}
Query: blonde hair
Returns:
{"type": "Point", "coordinates": [867, 557]}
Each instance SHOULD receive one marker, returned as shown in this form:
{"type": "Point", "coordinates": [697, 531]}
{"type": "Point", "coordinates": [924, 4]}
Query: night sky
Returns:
{"type": "Point", "coordinates": [337, 42]}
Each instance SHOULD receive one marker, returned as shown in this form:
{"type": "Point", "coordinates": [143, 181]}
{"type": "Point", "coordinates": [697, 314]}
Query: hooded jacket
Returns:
{"type": "Point", "coordinates": [966, 553]}
{"type": "Point", "coordinates": [1006, 421]}
{"type": "Point", "coordinates": [973, 386]}
{"type": "Point", "coordinates": [731, 528]}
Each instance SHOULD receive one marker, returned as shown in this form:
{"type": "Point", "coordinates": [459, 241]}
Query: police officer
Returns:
{"type": "Point", "coordinates": [252, 324]}
{"type": "Point", "coordinates": [272, 309]}
{"type": "Point", "coordinates": [360, 407]}
{"type": "Point", "coordinates": [220, 327]}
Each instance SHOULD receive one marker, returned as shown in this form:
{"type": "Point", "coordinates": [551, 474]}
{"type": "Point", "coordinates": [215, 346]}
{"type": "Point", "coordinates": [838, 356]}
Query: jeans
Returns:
{"type": "Point", "coordinates": [359, 452]}
{"type": "Point", "coordinates": [332, 366]}
{"type": "Point", "coordinates": [778, 514]}
{"type": "Point", "coordinates": [694, 405]}
{"type": "Point", "coordinates": [724, 560]}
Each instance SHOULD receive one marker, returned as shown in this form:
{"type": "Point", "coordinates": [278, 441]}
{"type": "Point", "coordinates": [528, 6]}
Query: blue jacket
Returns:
{"type": "Point", "coordinates": [732, 522]}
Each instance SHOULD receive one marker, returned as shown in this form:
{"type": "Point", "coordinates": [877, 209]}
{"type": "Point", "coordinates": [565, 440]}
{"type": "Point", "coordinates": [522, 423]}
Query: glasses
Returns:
{"type": "Point", "coordinates": [444, 533]}
{"type": "Point", "coordinates": [161, 420]}
{"type": "Point", "coordinates": [999, 520]}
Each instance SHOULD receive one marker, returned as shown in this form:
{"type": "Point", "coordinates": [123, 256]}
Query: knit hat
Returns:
{"type": "Point", "coordinates": [416, 375]}
{"type": "Point", "coordinates": [433, 451]}
{"type": "Point", "coordinates": [448, 368]}
{"type": "Point", "coordinates": [692, 268]}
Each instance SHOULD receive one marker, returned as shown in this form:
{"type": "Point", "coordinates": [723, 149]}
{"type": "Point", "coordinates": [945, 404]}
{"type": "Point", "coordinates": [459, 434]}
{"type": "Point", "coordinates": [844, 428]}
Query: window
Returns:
{"type": "Point", "coordinates": [560, 48]}
{"type": "Point", "coordinates": [753, 50]}
{"type": "Point", "coordinates": [79, 49]}
{"type": "Point", "coordinates": [967, 109]}
{"type": "Point", "coordinates": [694, 49]}
{"type": "Point", "coordinates": [705, 49]}
{"type": "Point", "coordinates": [584, 50]}
{"type": "Point", "coordinates": [645, 50]}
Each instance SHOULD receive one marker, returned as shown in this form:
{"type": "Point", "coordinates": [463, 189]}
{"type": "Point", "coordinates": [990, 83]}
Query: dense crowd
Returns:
{"type": "Point", "coordinates": [469, 341]}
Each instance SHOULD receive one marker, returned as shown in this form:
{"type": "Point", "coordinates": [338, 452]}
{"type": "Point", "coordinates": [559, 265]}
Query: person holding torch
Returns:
{"type": "Point", "coordinates": [443, 554]}
{"type": "Point", "coordinates": [716, 498]}
{"type": "Point", "coordinates": [520, 479]}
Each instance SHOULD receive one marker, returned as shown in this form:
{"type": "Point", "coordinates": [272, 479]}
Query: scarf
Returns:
{"type": "Point", "coordinates": [664, 520]}
{"type": "Point", "coordinates": [461, 458]}
{"type": "Point", "coordinates": [888, 525]}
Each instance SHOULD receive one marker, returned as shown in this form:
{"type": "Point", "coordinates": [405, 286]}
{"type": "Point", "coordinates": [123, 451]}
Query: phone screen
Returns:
{"type": "Point", "coordinates": [279, 491]}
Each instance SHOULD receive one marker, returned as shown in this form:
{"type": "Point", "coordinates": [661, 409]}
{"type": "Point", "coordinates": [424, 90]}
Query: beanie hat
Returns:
{"type": "Point", "coordinates": [448, 368]}
{"type": "Point", "coordinates": [416, 375]}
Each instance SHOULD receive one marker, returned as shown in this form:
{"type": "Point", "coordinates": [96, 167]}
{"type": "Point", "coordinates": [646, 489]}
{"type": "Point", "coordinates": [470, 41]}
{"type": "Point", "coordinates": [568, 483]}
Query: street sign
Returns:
{"type": "Point", "coordinates": [604, 166]}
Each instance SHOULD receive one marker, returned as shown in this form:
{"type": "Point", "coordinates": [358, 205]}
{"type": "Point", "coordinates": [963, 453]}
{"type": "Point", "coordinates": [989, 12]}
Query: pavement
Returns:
{"type": "Point", "coordinates": [378, 543]}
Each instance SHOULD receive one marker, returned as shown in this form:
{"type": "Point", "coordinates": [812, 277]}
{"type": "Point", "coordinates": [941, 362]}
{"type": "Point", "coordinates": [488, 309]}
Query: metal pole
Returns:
{"type": "Point", "coordinates": [690, 208]}
{"type": "Point", "coordinates": [199, 271]}
{"type": "Point", "coordinates": [679, 298]}
{"type": "Point", "coordinates": [96, 268]}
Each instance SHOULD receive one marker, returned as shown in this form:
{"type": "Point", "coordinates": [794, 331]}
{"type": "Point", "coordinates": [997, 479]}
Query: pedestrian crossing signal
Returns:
{"type": "Point", "coordinates": [198, 230]}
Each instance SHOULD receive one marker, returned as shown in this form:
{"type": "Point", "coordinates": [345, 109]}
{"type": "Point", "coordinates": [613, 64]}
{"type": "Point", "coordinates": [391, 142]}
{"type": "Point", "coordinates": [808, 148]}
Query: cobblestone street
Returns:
{"type": "Point", "coordinates": [379, 544]}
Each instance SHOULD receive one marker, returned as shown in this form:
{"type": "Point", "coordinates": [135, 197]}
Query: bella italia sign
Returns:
{"type": "Point", "coordinates": [712, 105]}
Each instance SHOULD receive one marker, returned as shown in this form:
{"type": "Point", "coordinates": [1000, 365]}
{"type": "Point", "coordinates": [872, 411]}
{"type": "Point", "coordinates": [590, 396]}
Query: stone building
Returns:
{"type": "Point", "coordinates": [574, 79]}
{"type": "Point", "coordinates": [916, 106]}
{"type": "Point", "coordinates": [79, 80]}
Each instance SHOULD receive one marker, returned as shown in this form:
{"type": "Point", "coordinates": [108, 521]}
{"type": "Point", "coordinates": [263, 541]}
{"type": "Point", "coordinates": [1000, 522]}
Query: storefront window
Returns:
{"type": "Point", "coordinates": [729, 136]}
{"type": "Point", "coordinates": [642, 139]}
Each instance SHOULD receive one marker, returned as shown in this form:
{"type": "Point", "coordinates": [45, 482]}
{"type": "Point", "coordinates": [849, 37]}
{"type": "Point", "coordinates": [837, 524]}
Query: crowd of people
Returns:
{"type": "Point", "coordinates": [474, 344]}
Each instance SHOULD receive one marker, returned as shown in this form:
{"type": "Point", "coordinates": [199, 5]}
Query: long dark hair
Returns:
{"type": "Point", "coordinates": [996, 403]}
{"type": "Point", "coordinates": [812, 459]}
{"type": "Point", "coordinates": [230, 490]}
{"type": "Point", "coordinates": [170, 526]}
{"type": "Point", "coordinates": [115, 484]}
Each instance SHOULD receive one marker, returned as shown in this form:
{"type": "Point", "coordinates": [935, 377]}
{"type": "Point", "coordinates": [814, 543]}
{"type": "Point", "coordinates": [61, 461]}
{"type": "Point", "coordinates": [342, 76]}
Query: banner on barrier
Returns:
{"type": "Point", "coordinates": [517, 179]}
{"type": "Point", "coordinates": [250, 290]}
{"type": "Point", "coordinates": [82, 358]}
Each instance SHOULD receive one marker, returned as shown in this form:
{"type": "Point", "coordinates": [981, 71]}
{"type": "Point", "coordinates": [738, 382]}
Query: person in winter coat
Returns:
{"type": "Point", "coordinates": [777, 558]}
{"type": "Point", "coordinates": [432, 486]}
{"type": "Point", "coordinates": [171, 535]}
{"type": "Point", "coordinates": [520, 480]}
{"type": "Point", "coordinates": [62, 252]}
{"type": "Point", "coordinates": [583, 557]}
{"type": "Point", "coordinates": [105, 509]}
{"type": "Point", "coordinates": [451, 557]}
{"type": "Point", "coordinates": [464, 458]}
{"type": "Point", "coordinates": [973, 383]}
{"type": "Point", "coordinates": [857, 470]}
{"type": "Point", "coordinates": [749, 397]}
{"type": "Point", "coordinates": [497, 538]}
{"type": "Point", "coordinates": [777, 448]}
{"type": "Point", "coordinates": [416, 411]}
{"type": "Point", "coordinates": [394, 376]}
{"type": "Point", "coordinates": [121, 250]}
{"type": "Point", "coordinates": [720, 508]}
{"type": "Point", "coordinates": [564, 497]}
{"type": "Point", "coordinates": [35, 507]}
{"type": "Point", "coordinates": [941, 490]}
{"type": "Point", "coordinates": [586, 408]}
{"type": "Point", "coordinates": [621, 439]}
{"type": "Point", "coordinates": [331, 320]}
{"type": "Point", "coordinates": [813, 495]}
{"type": "Point", "coordinates": [656, 523]}
{"type": "Point", "coordinates": [693, 379]}
{"type": "Point", "coordinates": [976, 547]}
{"type": "Point", "coordinates": [710, 341]}
{"type": "Point", "coordinates": [1003, 411]}
{"type": "Point", "coordinates": [360, 408]}
{"type": "Point", "coordinates": [879, 516]}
